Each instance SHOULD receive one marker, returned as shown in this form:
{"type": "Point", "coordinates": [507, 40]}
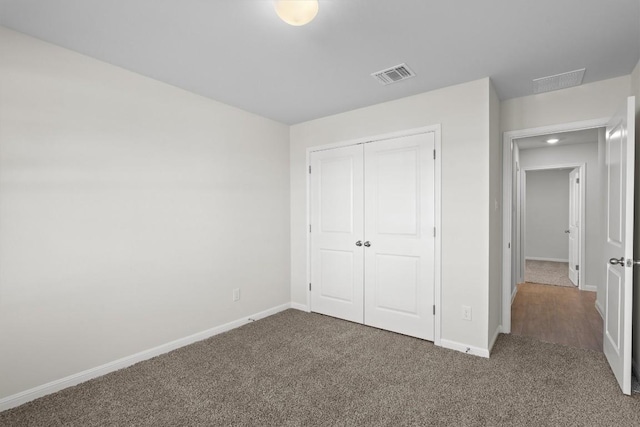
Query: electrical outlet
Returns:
{"type": "Point", "coordinates": [466, 312]}
{"type": "Point", "coordinates": [236, 294]}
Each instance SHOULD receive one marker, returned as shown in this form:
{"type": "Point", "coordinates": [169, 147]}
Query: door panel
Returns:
{"type": "Point", "coordinates": [336, 224]}
{"type": "Point", "coordinates": [397, 201]}
{"type": "Point", "coordinates": [336, 187]}
{"type": "Point", "coordinates": [574, 224]}
{"type": "Point", "coordinates": [399, 222]}
{"type": "Point", "coordinates": [336, 269]}
{"type": "Point", "coordinates": [397, 283]}
{"type": "Point", "coordinates": [612, 302]}
{"type": "Point", "coordinates": [620, 134]}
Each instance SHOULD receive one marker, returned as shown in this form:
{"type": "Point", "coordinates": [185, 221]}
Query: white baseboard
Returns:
{"type": "Point", "coordinates": [464, 348]}
{"type": "Point", "coordinates": [590, 288]}
{"type": "Point", "coordinates": [62, 383]}
{"type": "Point", "coordinates": [535, 258]}
{"type": "Point", "coordinates": [495, 337]}
{"type": "Point", "coordinates": [600, 309]}
{"type": "Point", "coordinates": [514, 293]}
{"type": "Point", "coordinates": [301, 307]}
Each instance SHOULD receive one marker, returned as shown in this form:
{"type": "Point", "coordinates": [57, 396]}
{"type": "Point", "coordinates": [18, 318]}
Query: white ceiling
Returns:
{"type": "Point", "coordinates": [240, 53]}
{"type": "Point", "coordinates": [566, 138]}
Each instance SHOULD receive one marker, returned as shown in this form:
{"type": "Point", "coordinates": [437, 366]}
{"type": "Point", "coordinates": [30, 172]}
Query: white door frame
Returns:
{"type": "Point", "coordinates": [523, 210]}
{"type": "Point", "coordinates": [507, 166]}
{"type": "Point", "coordinates": [436, 129]}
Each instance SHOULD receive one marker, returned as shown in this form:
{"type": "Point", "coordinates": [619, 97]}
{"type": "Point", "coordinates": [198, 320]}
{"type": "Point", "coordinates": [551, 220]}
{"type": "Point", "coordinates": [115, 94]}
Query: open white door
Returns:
{"type": "Point", "coordinates": [337, 204]}
{"type": "Point", "coordinates": [620, 137]}
{"type": "Point", "coordinates": [574, 225]}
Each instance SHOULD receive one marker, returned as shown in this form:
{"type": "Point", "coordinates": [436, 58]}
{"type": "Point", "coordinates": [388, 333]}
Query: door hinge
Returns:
{"type": "Point", "coordinates": [577, 180]}
{"type": "Point", "coordinates": [434, 309]}
{"type": "Point", "coordinates": [434, 154]}
{"type": "Point", "coordinates": [509, 245]}
{"type": "Point", "coordinates": [309, 169]}
{"type": "Point", "coordinates": [309, 286]}
{"type": "Point", "coordinates": [577, 268]}
{"type": "Point", "coordinates": [434, 232]}
{"type": "Point", "coordinates": [309, 228]}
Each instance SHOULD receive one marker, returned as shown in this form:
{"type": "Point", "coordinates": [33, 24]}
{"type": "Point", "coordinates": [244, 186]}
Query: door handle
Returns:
{"type": "Point", "coordinates": [567, 231]}
{"type": "Point", "coordinates": [359, 243]}
{"type": "Point", "coordinates": [616, 261]}
{"type": "Point", "coordinates": [367, 244]}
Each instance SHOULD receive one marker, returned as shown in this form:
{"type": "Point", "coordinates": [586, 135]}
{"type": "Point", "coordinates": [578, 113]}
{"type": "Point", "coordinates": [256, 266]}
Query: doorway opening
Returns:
{"type": "Point", "coordinates": [553, 204]}
{"type": "Point", "coordinates": [553, 225]}
{"type": "Point", "coordinates": [613, 257]}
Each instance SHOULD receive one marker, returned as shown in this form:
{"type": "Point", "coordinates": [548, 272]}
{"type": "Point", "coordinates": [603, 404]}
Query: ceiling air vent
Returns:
{"type": "Point", "coordinates": [559, 81]}
{"type": "Point", "coordinates": [393, 74]}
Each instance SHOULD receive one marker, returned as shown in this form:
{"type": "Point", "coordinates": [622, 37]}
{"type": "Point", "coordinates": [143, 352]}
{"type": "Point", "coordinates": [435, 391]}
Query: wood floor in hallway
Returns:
{"type": "Point", "coordinates": [557, 314]}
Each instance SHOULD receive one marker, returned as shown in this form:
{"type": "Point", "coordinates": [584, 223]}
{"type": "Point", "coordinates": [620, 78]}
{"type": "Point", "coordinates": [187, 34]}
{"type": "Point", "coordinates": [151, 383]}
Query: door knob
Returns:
{"type": "Point", "coordinates": [616, 261]}
{"type": "Point", "coordinates": [359, 243]}
{"type": "Point", "coordinates": [567, 231]}
{"type": "Point", "coordinates": [367, 244]}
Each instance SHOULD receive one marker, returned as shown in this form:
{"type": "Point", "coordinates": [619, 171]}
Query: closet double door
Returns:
{"type": "Point", "coordinates": [372, 234]}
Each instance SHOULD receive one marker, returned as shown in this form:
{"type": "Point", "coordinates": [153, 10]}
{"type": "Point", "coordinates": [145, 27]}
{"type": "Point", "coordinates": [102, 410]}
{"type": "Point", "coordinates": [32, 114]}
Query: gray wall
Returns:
{"type": "Point", "coordinates": [129, 210]}
{"type": "Point", "coordinates": [547, 214]}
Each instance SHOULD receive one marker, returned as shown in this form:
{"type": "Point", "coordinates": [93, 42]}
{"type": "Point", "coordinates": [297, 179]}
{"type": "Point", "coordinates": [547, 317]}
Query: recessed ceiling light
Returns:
{"type": "Point", "coordinates": [552, 140]}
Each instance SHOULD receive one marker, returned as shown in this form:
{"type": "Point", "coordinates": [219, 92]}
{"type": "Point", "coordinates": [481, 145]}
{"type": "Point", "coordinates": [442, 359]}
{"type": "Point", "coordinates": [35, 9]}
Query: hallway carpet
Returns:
{"type": "Point", "coordinates": [547, 273]}
{"type": "Point", "coordinates": [296, 368]}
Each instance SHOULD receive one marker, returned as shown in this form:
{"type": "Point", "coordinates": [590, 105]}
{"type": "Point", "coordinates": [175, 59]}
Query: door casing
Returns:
{"type": "Point", "coordinates": [436, 129]}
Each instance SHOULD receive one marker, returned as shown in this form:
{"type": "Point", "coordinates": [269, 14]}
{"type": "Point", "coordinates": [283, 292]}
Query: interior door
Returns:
{"type": "Point", "coordinates": [620, 134]}
{"type": "Point", "coordinates": [574, 225]}
{"type": "Point", "coordinates": [337, 232]}
{"type": "Point", "coordinates": [399, 232]}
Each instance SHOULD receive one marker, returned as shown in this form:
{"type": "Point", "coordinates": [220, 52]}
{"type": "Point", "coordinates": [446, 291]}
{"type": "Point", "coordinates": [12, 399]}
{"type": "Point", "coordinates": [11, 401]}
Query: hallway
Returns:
{"type": "Point", "coordinates": [557, 314]}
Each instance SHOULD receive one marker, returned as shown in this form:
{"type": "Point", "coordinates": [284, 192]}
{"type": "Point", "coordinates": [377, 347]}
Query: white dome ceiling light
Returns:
{"type": "Point", "coordinates": [297, 12]}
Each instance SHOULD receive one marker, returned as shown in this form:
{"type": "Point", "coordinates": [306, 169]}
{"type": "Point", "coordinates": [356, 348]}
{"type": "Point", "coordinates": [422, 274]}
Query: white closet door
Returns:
{"type": "Point", "coordinates": [399, 227]}
{"type": "Point", "coordinates": [336, 227]}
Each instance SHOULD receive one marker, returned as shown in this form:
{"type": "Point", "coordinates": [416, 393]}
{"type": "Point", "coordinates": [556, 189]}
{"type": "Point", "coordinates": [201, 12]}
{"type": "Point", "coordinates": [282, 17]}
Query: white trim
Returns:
{"type": "Point", "coordinates": [513, 296]}
{"type": "Point", "coordinates": [436, 129]}
{"type": "Point", "coordinates": [600, 309]}
{"type": "Point", "coordinates": [537, 258]}
{"type": "Point", "coordinates": [507, 164]}
{"type": "Point", "coordinates": [590, 288]}
{"type": "Point", "coordinates": [494, 338]}
{"type": "Point", "coordinates": [301, 307]}
{"type": "Point", "coordinates": [80, 377]}
{"type": "Point", "coordinates": [464, 348]}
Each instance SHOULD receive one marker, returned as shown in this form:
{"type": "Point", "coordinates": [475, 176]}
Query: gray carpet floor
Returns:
{"type": "Point", "coordinates": [547, 273]}
{"type": "Point", "coordinates": [295, 369]}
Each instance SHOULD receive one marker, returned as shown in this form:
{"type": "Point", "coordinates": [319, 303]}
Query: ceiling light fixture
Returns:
{"type": "Point", "coordinates": [297, 12]}
{"type": "Point", "coordinates": [552, 140]}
